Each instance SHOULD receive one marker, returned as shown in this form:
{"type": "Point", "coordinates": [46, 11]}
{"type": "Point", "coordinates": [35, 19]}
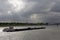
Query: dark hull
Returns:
{"type": "Point", "coordinates": [24, 29]}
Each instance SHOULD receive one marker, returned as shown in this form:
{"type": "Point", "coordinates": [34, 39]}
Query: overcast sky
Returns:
{"type": "Point", "coordinates": [30, 11]}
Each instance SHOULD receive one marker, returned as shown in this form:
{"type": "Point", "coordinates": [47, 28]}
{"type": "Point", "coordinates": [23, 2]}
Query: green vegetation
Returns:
{"type": "Point", "coordinates": [21, 24]}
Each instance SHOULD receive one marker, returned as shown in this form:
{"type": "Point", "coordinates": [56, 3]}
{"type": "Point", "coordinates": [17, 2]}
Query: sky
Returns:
{"type": "Point", "coordinates": [31, 11]}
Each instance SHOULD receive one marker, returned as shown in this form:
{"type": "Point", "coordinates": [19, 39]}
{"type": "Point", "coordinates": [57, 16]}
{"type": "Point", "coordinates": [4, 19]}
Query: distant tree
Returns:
{"type": "Point", "coordinates": [46, 23]}
{"type": "Point", "coordinates": [41, 23]}
{"type": "Point", "coordinates": [57, 24]}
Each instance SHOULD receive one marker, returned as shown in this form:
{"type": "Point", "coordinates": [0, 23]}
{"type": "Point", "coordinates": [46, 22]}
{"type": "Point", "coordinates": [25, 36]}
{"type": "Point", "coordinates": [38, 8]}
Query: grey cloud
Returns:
{"type": "Point", "coordinates": [41, 8]}
{"type": "Point", "coordinates": [53, 18]}
{"type": "Point", "coordinates": [56, 8]}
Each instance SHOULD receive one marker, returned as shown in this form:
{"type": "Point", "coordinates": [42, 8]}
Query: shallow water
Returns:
{"type": "Point", "coordinates": [50, 33]}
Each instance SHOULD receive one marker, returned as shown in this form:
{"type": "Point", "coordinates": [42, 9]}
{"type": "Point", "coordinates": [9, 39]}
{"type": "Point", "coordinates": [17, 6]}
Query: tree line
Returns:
{"type": "Point", "coordinates": [21, 24]}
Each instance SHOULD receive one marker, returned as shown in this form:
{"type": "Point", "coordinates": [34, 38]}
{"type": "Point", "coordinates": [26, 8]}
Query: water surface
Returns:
{"type": "Point", "coordinates": [50, 33]}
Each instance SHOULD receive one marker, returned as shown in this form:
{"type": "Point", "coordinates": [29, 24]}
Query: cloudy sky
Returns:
{"type": "Point", "coordinates": [30, 11]}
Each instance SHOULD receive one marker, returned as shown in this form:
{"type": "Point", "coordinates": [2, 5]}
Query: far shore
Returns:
{"type": "Point", "coordinates": [26, 24]}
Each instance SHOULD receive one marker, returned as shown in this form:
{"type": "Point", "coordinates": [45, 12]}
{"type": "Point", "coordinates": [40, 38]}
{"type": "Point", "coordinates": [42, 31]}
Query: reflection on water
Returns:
{"type": "Point", "coordinates": [50, 33]}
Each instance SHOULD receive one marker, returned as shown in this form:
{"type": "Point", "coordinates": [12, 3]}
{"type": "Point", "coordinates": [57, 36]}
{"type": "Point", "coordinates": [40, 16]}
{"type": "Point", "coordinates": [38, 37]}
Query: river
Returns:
{"type": "Point", "coordinates": [50, 33]}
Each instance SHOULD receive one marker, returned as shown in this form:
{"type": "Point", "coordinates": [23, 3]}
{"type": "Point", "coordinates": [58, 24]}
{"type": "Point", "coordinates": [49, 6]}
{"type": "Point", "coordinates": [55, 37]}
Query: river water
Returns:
{"type": "Point", "coordinates": [50, 33]}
